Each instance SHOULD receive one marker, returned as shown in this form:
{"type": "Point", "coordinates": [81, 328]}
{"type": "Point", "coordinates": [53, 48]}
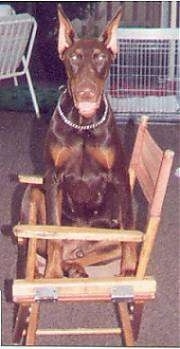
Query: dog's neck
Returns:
{"type": "Point", "coordinates": [72, 118]}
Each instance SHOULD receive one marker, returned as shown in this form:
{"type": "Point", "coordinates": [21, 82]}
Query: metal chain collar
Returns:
{"type": "Point", "coordinates": [81, 127]}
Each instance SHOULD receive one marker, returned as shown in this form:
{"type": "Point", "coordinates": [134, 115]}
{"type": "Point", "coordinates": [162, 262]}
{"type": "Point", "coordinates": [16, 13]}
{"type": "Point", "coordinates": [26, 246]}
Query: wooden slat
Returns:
{"type": "Point", "coordinates": [148, 165]}
{"type": "Point", "coordinates": [145, 181]}
{"type": "Point", "coordinates": [33, 323]}
{"type": "Point", "coordinates": [162, 183]}
{"type": "Point", "coordinates": [147, 246]}
{"type": "Point", "coordinates": [20, 324]}
{"type": "Point", "coordinates": [32, 244]}
{"type": "Point", "coordinates": [137, 316]}
{"type": "Point", "coordinates": [138, 142]}
{"type": "Point", "coordinates": [127, 330]}
{"type": "Point", "coordinates": [78, 331]}
{"type": "Point", "coordinates": [82, 287]}
{"type": "Point", "coordinates": [151, 155]}
{"type": "Point", "coordinates": [31, 259]}
{"type": "Point", "coordinates": [137, 150]}
{"type": "Point", "coordinates": [30, 179]}
{"type": "Point", "coordinates": [76, 233]}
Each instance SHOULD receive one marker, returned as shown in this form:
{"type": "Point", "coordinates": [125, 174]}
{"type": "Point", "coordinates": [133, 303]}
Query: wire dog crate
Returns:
{"type": "Point", "coordinates": [145, 77]}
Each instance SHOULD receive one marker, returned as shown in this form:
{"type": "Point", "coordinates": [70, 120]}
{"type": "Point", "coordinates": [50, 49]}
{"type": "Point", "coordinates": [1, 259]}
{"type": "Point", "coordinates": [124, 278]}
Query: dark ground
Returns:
{"type": "Point", "coordinates": [21, 143]}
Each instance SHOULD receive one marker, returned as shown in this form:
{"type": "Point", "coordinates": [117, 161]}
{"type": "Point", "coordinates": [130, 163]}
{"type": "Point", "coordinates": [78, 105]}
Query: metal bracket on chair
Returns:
{"type": "Point", "coordinates": [46, 294]}
{"type": "Point", "coordinates": [123, 293]}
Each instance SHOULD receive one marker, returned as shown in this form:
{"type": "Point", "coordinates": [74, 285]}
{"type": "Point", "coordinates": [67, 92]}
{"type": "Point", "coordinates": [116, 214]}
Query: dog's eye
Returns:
{"type": "Point", "coordinates": [99, 57]}
{"type": "Point", "coordinates": [74, 57]}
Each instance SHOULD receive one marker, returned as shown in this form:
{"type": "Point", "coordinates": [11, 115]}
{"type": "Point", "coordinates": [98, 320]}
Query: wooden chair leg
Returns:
{"type": "Point", "coordinates": [33, 324]}
{"type": "Point", "coordinates": [127, 331]}
{"type": "Point", "coordinates": [21, 323]}
{"type": "Point", "coordinates": [137, 316]}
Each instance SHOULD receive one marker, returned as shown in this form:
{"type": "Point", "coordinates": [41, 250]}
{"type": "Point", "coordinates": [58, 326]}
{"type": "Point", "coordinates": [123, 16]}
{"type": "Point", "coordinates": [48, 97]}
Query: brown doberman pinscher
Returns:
{"type": "Point", "coordinates": [86, 180]}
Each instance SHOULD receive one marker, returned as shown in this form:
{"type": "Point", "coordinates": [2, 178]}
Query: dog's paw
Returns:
{"type": "Point", "coordinates": [129, 259]}
{"type": "Point", "coordinates": [74, 270]}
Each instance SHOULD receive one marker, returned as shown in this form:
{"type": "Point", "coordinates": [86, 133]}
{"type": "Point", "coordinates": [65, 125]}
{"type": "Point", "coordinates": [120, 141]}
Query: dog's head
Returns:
{"type": "Point", "coordinates": [87, 62]}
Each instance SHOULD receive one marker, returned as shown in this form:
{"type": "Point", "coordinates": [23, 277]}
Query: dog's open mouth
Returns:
{"type": "Point", "coordinates": [87, 109]}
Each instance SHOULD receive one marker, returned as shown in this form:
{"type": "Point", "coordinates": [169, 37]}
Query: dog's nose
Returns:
{"type": "Point", "coordinates": [87, 93]}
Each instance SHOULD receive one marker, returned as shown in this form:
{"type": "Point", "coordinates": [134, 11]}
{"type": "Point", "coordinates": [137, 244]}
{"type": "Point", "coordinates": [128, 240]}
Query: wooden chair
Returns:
{"type": "Point", "coordinates": [150, 167]}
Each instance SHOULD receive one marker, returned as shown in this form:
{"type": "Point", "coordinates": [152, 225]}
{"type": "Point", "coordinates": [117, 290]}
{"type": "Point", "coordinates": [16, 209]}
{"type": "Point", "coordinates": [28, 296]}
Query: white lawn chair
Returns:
{"type": "Point", "coordinates": [6, 10]}
{"type": "Point", "coordinates": [17, 34]}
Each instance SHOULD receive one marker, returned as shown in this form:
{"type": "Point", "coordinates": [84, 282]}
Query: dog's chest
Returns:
{"type": "Point", "coordinates": [85, 169]}
{"type": "Point", "coordinates": [75, 156]}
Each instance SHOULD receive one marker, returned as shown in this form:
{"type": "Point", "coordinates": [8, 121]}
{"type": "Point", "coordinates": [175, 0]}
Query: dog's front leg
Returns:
{"type": "Point", "coordinates": [129, 258]}
{"type": "Point", "coordinates": [53, 212]}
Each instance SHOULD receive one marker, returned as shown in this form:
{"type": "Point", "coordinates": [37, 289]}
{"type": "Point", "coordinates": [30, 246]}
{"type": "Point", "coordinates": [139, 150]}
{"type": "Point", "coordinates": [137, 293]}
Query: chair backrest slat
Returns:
{"type": "Point", "coordinates": [145, 181]}
{"type": "Point", "coordinates": [148, 165]}
{"type": "Point", "coordinates": [151, 156]}
{"type": "Point", "coordinates": [151, 166]}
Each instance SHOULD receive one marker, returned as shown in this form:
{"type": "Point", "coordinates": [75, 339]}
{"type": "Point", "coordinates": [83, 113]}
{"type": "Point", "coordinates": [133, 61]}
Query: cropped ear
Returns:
{"type": "Point", "coordinates": [109, 36]}
{"type": "Point", "coordinates": [66, 32]}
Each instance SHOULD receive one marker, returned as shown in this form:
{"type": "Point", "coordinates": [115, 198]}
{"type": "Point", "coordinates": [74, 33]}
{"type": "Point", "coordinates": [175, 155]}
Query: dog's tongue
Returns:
{"type": "Point", "coordinates": [87, 109]}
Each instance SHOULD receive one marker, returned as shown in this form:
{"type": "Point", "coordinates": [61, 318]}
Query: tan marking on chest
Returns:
{"type": "Point", "coordinates": [104, 156]}
{"type": "Point", "coordinates": [60, 154]}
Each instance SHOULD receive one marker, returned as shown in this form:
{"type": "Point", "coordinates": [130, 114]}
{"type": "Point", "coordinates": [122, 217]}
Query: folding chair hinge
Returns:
{"type": "Point", "coordinates": [46, 294]}
{"type": "Point", "coordinates": [123, 293]}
